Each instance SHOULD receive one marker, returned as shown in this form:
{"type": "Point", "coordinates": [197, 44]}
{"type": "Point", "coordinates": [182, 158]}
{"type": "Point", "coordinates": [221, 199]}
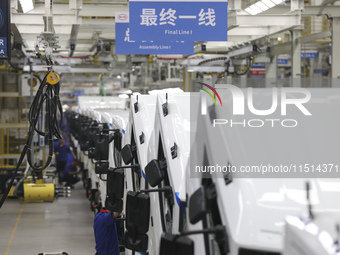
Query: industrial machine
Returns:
{"type": "Point", "coordinates": [35, 188]}
{"type": "Point", "coordinates": [43, 127]}
{"type": "Point", "coordinates": [45, 192]}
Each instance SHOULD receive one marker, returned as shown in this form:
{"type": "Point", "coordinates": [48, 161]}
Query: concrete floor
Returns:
{"type": "Point", "coordinates": [64, 225]}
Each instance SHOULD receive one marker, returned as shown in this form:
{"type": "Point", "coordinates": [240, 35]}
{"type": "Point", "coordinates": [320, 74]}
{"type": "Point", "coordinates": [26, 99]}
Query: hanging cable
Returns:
{"type": "Point", "coordinates": [211, 60]}
{"type": "Point", "coordinates": [14, 66]}
{"type": "Point", "coordinates": [47, 97]}
{"type": "Point", "coordinates": [247, 69]}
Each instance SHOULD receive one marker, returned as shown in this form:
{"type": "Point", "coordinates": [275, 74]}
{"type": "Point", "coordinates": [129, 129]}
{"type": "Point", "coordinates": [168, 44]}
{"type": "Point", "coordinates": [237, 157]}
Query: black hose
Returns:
{"type": "Point", "coordinates": [36, 76]}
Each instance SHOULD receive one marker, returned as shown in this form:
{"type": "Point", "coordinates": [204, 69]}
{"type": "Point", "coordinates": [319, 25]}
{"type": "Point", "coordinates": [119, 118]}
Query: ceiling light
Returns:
{"type": "Point", "coordinates": [250, 11]}
{"type": "Point", "coordinates": [26, 5]}
{"type": "Point", "coordinates": [277, 1]}
{"type": "Point", "coordinates": [262, 6]}
{"type": "Point", "coordinates": [269, 3]}
{"type": "Point", "coordinates": [255, 8]}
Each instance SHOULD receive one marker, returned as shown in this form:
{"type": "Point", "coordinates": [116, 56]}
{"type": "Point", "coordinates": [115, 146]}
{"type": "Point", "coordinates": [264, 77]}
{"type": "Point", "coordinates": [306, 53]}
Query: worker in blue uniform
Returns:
{"type": "Point", "coordinates": [106, 233]}
{"type": "Point", "coordinates": [70, 173]}
{"type": "Point", "coordinates": [62, 150]}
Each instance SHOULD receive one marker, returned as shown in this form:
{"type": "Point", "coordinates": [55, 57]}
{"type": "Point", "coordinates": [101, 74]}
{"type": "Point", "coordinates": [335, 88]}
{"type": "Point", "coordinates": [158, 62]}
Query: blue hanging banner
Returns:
{"type": "Point", "coordinates": [258, 65]}
{"type": "Point", "coordinates": [125, 45]}
{"type": "Point", "coordinates": [282, 61]}
{"type": "Point", "coordinates": [5, 30]}
{"type": "Point", "coordinates": [323, 71]}
{"type": "Point", "coordinates": [309, 54]}
{"type": "Point", "coordinates": [174, 20]}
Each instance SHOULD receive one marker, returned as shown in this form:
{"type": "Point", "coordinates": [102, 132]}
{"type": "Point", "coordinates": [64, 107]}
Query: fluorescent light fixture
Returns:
{"type": "Point", "coordinates": [255, 8]}
{"type": "Point", "coordinates": [262, 6]}
{"type": "Point", "coordinates": [250, 11]}
{"type": "Point", "coordinates": [26, 5]}
{"type": "Point", "coordinates": [277, 1]}
{"type": "Point", "coordinates": [269, 3]}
